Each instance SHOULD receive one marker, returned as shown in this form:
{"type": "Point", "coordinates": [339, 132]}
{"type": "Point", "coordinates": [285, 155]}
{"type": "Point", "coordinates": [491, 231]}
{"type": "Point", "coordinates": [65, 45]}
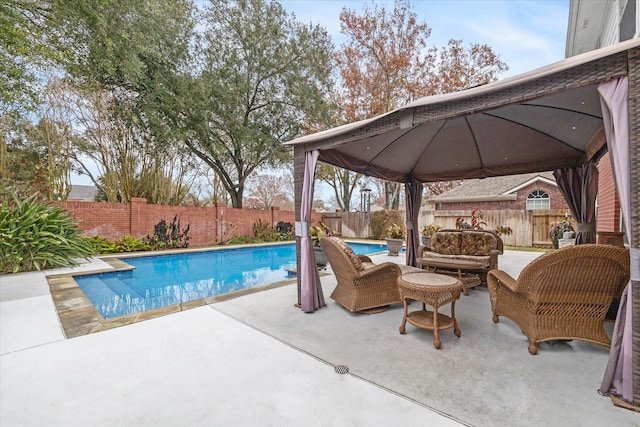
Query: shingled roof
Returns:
{"type": "Point", "coordinates": [495, 187]}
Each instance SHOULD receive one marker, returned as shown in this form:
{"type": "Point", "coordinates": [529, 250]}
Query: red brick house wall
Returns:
{"type": "Point", "coordinates": [208, 225]}
{"type": "Point", "coordinates": [557, 201]}
{"type": "Point", "coordinates": [608, 203]}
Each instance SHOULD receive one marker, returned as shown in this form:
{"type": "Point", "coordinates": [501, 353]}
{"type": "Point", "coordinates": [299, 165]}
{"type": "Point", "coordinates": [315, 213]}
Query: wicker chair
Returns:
{"type": "Point", "coordinates": [563, 294]}
{"type": "Point", "coordinates": [362, 285]}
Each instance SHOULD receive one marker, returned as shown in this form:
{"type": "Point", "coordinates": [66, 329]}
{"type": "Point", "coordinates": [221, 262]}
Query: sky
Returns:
{"type": "Point", "coordinates": [526, 34]}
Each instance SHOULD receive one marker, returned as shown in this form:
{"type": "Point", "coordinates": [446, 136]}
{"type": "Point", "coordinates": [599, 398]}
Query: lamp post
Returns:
{"type": "Point", "coordinates": [365, 209]}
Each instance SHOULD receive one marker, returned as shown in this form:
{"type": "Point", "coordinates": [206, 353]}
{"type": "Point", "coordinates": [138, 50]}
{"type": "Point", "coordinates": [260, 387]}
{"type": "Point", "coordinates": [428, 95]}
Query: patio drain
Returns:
{"type": "Point", "coordinates": [341, 369]}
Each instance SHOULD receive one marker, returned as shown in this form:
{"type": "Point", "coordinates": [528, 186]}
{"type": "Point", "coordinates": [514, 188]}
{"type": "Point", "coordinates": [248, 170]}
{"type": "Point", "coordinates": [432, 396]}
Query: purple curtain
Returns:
{"type": "Point", "coordinates": [311, 296]}
{"type": "Point", "coordinates": [618, 376]}
{"type": "Point", "coordinates": [579, 186]}
{"type": "Point", "coordinates": [413, 200]}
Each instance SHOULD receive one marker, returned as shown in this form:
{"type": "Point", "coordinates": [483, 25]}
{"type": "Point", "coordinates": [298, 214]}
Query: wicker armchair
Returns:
{"type": "Point", "coordinates": [361, 285]}
{"type": "Point", "coordinates": [563, 294]}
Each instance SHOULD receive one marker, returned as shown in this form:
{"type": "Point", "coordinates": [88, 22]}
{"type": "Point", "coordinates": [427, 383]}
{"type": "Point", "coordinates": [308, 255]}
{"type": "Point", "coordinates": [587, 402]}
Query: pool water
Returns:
{"type": "Point", "coordinates": [164, 280]}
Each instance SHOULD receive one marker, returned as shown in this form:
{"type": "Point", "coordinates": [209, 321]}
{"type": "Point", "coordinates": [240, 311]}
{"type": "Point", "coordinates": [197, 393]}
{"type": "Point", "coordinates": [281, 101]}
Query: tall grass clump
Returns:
{"type": "Point", "coordinates": [35, 236]}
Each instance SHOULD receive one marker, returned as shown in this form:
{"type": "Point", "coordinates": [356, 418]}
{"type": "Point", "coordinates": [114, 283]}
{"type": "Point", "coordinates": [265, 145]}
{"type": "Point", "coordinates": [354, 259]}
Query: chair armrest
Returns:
{"type": "Point", "coordinates": [493, 259]}
{"type": "Point", "coordinates": [364, 258]}
{"type": "Point", "coordinates": [495, 277]}
{"type": "Point", "coordinates": [384, 271]}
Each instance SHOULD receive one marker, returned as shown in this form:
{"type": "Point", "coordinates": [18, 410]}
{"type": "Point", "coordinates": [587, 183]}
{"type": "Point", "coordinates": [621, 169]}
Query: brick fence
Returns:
{"type": "Point", "coordinates": [208, 225]}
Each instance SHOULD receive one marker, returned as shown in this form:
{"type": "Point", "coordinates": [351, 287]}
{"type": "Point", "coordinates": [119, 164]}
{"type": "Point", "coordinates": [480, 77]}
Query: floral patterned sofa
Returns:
{"type": "Point", "coordinates": [481, 246]}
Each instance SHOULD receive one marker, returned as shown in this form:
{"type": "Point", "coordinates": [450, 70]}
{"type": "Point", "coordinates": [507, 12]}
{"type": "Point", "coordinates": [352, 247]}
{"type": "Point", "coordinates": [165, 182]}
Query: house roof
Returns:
{"type": "Point", "coordinates": [495, 188]}
{"type": "Point", "coordinates": [82, 192]}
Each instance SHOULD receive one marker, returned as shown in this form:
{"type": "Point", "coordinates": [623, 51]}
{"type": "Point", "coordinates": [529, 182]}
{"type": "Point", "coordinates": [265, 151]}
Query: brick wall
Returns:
{"type": "Point", "coordinates": [208, 225]}
{"type": "Point", "coordinates": [557, 201]}
{"type": "Point", "coordinates": [608, 203]}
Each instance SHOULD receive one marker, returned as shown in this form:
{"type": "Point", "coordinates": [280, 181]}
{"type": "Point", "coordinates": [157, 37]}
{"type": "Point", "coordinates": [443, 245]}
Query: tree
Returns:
{"type": "Point", "coordinates": [462, 68]}
{"type": "Point", "coordinates": [266, 190]}
{"type": "Point", "coordinates": [264, 75]}
{"type": "Point", "coordinates": [28, 41]}
{"type": "Point", "coordinates": [343, 182]}
{"type": "Point", "coordinates": [131, 54]}
{"type": "Point", "coordinates": [386, 63]}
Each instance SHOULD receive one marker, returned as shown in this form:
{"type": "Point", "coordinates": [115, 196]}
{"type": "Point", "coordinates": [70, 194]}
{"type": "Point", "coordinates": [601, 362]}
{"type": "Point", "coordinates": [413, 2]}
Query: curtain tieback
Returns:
{"type": "Point", "coordinates": [302, 228]}
{"type": "Point", "coordinates": [586, 227]}
{"type": "Point", "coordinates": [635, 264]}
{"type": "Point", "coordinates": [409, 225]}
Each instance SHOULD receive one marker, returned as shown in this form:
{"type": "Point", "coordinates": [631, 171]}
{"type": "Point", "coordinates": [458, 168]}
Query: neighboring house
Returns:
{"type": "Point", "coordinates": [86, 193]}
{"type": "Point", "coordinates": [531, 191]}
{"type": "Point", "coordinates": [592, 25]}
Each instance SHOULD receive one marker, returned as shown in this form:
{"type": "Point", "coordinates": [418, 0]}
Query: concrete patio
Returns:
{"type": "Point", "coordinates": [257, 360]}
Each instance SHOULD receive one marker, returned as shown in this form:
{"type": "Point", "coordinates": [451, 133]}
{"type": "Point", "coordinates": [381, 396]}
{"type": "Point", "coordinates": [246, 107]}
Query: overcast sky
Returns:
{"type": "Point", "coordinates": [526, 34]}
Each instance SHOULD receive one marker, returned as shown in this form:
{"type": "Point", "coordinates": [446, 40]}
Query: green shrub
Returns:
{"type": "Point", "coordinates": [35, 236]}
{"type": "Point", "coordinates": [382, 220]}
{"type": "Point", "coordinates": [130, 244]}
{"type": "Point", "coordinates": [100, 245]}
{"type": "Point", "coordinates": [264, 232]}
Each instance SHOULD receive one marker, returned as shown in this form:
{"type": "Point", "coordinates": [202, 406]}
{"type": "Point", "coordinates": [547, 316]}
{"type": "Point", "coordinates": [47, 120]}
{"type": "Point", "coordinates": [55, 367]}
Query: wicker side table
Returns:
{"type": "Point", "coordinates": [435, 290]}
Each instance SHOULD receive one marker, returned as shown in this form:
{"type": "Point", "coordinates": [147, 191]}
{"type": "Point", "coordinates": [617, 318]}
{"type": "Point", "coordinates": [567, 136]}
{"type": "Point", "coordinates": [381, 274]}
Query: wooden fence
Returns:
{"type": "Point", "coordinates": [530, 228]}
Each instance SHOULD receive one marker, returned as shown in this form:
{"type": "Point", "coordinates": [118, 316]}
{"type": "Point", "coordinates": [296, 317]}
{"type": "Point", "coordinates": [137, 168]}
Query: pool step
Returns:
{"type": "Point", "coordinates": [107, 287]}
{"type": "Point", "coordinates": [120, 287]}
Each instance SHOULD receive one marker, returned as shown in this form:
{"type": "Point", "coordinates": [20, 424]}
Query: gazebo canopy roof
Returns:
{"type": "Point", "coordinates": [538, 121]}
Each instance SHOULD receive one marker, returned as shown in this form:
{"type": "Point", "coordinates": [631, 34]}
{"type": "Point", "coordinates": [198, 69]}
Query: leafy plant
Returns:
{"type": "Point", "coordinates": [556, 230]}
{"type": "Point", "coordinates": [317, 231]}
{"type": "Point", "coordinates": [100, 245]}
{"type": "Point", "coordinates": [430, 230]}
{"type": "Point", "coordinates": [503, 229]}
{"type": "Point", "coordinates": [316, 234]}
{"type": "Point", "coordinates": [395, 231]}
{"type": "Point", "coordinates": [130, 244]}
{"type": "Point", "coordinates": [478, 224]}
{"type": "Point", "coordinates": [169, 236]}
{"type": "Point", "coordinates": [35, 236]}
{"type": "Point", "coordinates": [382, 220]}
{"type": "Point", "coordinates": [263, 231]}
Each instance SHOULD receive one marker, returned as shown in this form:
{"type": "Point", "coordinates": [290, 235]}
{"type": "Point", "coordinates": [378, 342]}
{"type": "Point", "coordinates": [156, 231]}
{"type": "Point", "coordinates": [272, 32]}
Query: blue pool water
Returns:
{"type": "Point", "coordinates": [160, 281]}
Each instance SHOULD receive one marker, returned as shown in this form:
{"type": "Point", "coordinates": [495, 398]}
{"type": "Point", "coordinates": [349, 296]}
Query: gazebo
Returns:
{"type": "Point", "coordinates": [561, 117]}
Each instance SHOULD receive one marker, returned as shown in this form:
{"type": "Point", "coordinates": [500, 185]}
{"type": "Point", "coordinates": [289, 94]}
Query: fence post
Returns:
{"type": "Point", "coordinates": [274, 216]}
{"type": "Point", "coordinates": [135, 212]}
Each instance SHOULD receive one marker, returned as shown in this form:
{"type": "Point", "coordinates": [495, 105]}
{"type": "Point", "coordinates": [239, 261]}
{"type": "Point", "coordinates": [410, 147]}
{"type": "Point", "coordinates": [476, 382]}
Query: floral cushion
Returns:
{"type": "Point", "coordinates": [446, 242]}
{"type": "Point", "coordinates": [355, 260]}
{"type": "Point", "coordinates": [477, 243]}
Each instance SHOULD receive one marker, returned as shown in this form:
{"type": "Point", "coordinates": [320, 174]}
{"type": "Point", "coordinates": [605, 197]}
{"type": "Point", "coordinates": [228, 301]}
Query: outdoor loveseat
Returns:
{"type": "Point", "coordinates": [563, 294]}
{"type": "Point", "coordinates": [480, 246]}
{"type": "Point", "coordinates": [361, 284]}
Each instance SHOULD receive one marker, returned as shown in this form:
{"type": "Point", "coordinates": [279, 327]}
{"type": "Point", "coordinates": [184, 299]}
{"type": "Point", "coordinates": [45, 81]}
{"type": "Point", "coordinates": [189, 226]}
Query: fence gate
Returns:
{"type": "Point", "coordinates": [333, 221]}
{"type": "Point", "coordinates": [541, 223]}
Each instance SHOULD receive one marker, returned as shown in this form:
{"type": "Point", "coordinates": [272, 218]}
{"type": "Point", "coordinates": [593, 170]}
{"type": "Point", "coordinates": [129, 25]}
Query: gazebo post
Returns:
{"type": "Point", "coordinates": [634, 227]}
{"type": "Point", "coordinates": [298, 177]}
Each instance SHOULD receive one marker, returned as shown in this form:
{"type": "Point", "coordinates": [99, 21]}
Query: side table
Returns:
{"type": "Point", "coordinates": [435, 290]}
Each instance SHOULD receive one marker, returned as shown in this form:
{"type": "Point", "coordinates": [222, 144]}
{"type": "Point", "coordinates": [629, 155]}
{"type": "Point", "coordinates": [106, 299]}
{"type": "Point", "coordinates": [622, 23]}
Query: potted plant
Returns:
{"type": "Point", "coordinates": [395, 239]}
{"type": "Point", "coordinates": [557, 230]}
{"type": "Point", "coordinates": [317, 231]}
{"type": "Point", "coordinates": [428, 231]}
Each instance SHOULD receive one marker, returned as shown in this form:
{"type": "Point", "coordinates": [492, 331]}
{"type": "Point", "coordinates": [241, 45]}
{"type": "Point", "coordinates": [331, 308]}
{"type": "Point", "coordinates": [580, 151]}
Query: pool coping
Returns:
{"type": "Point", "coordinates": [78, 316]}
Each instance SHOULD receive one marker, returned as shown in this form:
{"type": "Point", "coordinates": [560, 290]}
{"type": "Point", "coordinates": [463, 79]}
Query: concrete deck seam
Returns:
{"type": "Point", "coordinates": [326, 362]}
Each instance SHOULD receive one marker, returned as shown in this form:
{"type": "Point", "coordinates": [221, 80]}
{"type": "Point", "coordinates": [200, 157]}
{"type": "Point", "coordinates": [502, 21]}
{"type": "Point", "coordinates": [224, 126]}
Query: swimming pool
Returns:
{"type": "Point", "coordinates": [164, 280]}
